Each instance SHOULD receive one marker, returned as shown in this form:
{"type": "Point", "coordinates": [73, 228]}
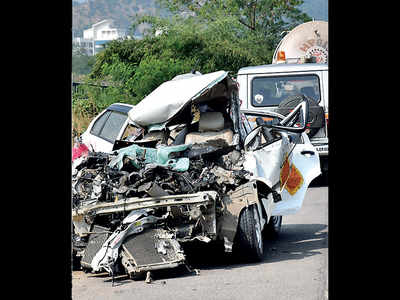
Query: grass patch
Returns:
{"type": "Point", "coordinates": [80, 122]}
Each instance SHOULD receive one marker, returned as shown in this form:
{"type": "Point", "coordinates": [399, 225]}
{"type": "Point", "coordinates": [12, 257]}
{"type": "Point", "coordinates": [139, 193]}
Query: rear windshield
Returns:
{"type": "Point", "coordinates": [113, 126]}
{"type": "Point", "coordinates": [109, 125]}
{"type": "Point", "coordinates": [270, 91]}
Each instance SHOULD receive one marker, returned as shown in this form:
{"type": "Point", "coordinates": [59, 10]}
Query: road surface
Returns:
{"type": "Point", "coordinates": [295, 266]}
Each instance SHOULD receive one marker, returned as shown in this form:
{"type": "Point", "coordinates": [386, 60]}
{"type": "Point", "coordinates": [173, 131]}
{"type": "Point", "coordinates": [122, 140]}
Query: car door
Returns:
{"type": "Point", "coordinates": [287, 163]}
{"type": "Point", "coordinates": [300, 166]}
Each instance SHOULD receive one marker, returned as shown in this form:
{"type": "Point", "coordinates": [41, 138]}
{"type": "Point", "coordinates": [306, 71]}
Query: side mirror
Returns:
{"type": "Point", "coordinates": [297, 116]}
{"type": "Point", "coordinates": [251, 139]}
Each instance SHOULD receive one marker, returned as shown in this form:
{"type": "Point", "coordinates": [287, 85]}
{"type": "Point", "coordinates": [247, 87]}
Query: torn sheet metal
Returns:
{"type": "Point", "coordinates": [108, 254]}
{"type": "Point", "coordinates": [152, 189]}
{"type": "Point", "coordinates": [234, 201]}
{"type": "Point", "coordinates": [171, 96]}
{"type": "Point", "coordinates": [143, 203]}
{"type": "Point", "coordinates": [136, 214]}
{"type": "Point", "coordinates": [188, 217]}
{"type": "Point", "coordinates": [272, 156]}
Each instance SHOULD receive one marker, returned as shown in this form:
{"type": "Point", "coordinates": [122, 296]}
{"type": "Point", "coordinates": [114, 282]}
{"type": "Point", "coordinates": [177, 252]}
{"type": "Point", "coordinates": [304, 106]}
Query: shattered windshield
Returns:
{"type": "Point", "coordinates": [270, 91]}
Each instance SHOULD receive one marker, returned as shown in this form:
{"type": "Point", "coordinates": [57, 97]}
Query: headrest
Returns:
{"type": "Point", "coordinates": [211, 121]}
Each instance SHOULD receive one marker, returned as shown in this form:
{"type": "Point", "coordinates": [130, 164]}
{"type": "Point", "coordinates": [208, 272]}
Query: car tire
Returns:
{"type": "Point", "coordinates": [138, 276]}
{"type": "Point", "coordinates": [248, 244]}
{"type": "Point", "coordinates": [273, 228]}
{"type": "Point", "coordinates": [76, 261]}
{"type": "Point", "coordinates": [316, 115]}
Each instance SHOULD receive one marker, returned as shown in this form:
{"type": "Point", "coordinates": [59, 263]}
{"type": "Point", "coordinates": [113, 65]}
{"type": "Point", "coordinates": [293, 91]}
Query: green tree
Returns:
{"type": "Point", "coordinates": [264, 20]}
{"type": "Point", "coordinates": [81, 62]}
{"type": "Point", "coordinates": [139, 66]}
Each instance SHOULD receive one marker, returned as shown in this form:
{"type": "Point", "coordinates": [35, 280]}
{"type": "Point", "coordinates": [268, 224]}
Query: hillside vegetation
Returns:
{"type": "Point", "coordinates": [123, 12]}
{"type": "Point", "coordinates": [85, 13]}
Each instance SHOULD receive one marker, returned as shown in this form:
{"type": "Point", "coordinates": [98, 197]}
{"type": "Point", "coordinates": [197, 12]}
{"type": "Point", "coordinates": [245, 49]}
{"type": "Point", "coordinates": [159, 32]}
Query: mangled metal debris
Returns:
{"type": "Point", "coordinates": [133, 208]}
{"type": "Point", "coordinates": [165, 204]}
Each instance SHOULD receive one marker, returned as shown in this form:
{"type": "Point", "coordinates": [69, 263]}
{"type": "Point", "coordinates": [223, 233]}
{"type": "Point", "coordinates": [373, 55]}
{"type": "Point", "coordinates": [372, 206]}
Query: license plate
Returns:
{"type": "Point", "coordinates": [322, 148]}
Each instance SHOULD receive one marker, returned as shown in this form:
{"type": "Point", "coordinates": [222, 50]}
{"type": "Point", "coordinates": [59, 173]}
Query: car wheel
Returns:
{"type": "Point", "coordinates": [273, 228]}
{"type": "Point", "coordinates": [248, 244]}
{"type": "Point", "coordinates": [138, 276]}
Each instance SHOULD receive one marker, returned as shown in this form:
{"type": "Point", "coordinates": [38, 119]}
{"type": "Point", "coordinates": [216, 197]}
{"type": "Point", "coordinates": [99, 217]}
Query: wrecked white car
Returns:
{"type": "Point", "coordinates": [201, 170]}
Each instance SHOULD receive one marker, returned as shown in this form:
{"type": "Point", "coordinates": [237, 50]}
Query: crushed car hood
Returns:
{"type": "Point", "coordinates": [170, 97]}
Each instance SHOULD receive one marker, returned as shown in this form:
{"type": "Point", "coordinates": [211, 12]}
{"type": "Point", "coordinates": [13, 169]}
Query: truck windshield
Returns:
{"type": "Point", "coordinates": [270, 91]}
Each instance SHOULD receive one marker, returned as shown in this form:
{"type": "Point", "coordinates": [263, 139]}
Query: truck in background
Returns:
{"type": "Point", "coordinates": [299, 70]}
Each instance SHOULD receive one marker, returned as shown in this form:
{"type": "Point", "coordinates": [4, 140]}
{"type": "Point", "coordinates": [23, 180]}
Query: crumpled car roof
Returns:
{"type": "Point", "coordinates": [170, 97]}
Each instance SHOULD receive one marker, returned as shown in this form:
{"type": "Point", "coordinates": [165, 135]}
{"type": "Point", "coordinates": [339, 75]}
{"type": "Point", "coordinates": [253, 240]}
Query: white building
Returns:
{"type": "Point", "coordinates": [95, 38]}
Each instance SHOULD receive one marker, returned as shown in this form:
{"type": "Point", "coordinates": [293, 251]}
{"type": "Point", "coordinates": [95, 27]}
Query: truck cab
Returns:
{"type": "Point", "coordinates": [299, 69]}
{"type": "Point", "coordinates": [264, 88]}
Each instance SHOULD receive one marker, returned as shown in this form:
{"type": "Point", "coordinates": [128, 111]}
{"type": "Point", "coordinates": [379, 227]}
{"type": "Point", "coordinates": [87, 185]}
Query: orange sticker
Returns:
{"type": "Point", "coordinates": [284, 171]}
{"type": "Point", "coordinates": [294, 180]}
{"type": "Point", "coordinates": [253, 119]}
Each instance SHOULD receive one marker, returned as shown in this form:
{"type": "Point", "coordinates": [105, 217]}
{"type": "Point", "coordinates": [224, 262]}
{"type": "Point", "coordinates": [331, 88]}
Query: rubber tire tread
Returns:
{"type": "Point", "coordinates": [270, 230]}
{"type": "Point", "coordinates": [245, 243]}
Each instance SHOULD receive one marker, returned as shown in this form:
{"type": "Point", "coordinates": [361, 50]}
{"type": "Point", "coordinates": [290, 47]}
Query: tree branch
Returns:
{"type": "Point", "coordinates": [249, 26]}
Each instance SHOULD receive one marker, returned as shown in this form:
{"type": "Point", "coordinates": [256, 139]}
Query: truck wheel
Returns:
{"type": "Point", "coordinates": [316, 115]}
{"type": "Point", "coordinates": [273, 228]}
{"type": "Point", "coordinates": [248, 244]}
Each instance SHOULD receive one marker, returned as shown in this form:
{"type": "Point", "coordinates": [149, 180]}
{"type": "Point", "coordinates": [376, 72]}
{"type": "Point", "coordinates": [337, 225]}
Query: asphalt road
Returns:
{"type": "Point", "coordinates": [295, 266]}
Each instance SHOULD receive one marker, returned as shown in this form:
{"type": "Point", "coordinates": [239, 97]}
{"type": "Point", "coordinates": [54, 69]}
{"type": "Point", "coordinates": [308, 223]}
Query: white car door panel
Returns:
{"type": "Point", "coordinates": [296, 174]}
{"type": "Point", "coordinates": [265, 162]}
{"type": "Point", "coordinates": [287, 166]}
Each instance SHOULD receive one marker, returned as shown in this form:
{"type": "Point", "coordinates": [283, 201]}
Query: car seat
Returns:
{"type": "Point", "coordinates": [211, 127]}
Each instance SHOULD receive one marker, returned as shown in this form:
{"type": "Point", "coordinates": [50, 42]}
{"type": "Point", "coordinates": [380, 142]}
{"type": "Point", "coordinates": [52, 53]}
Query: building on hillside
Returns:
{"type": "Point", "coordinates": [95, 38]}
